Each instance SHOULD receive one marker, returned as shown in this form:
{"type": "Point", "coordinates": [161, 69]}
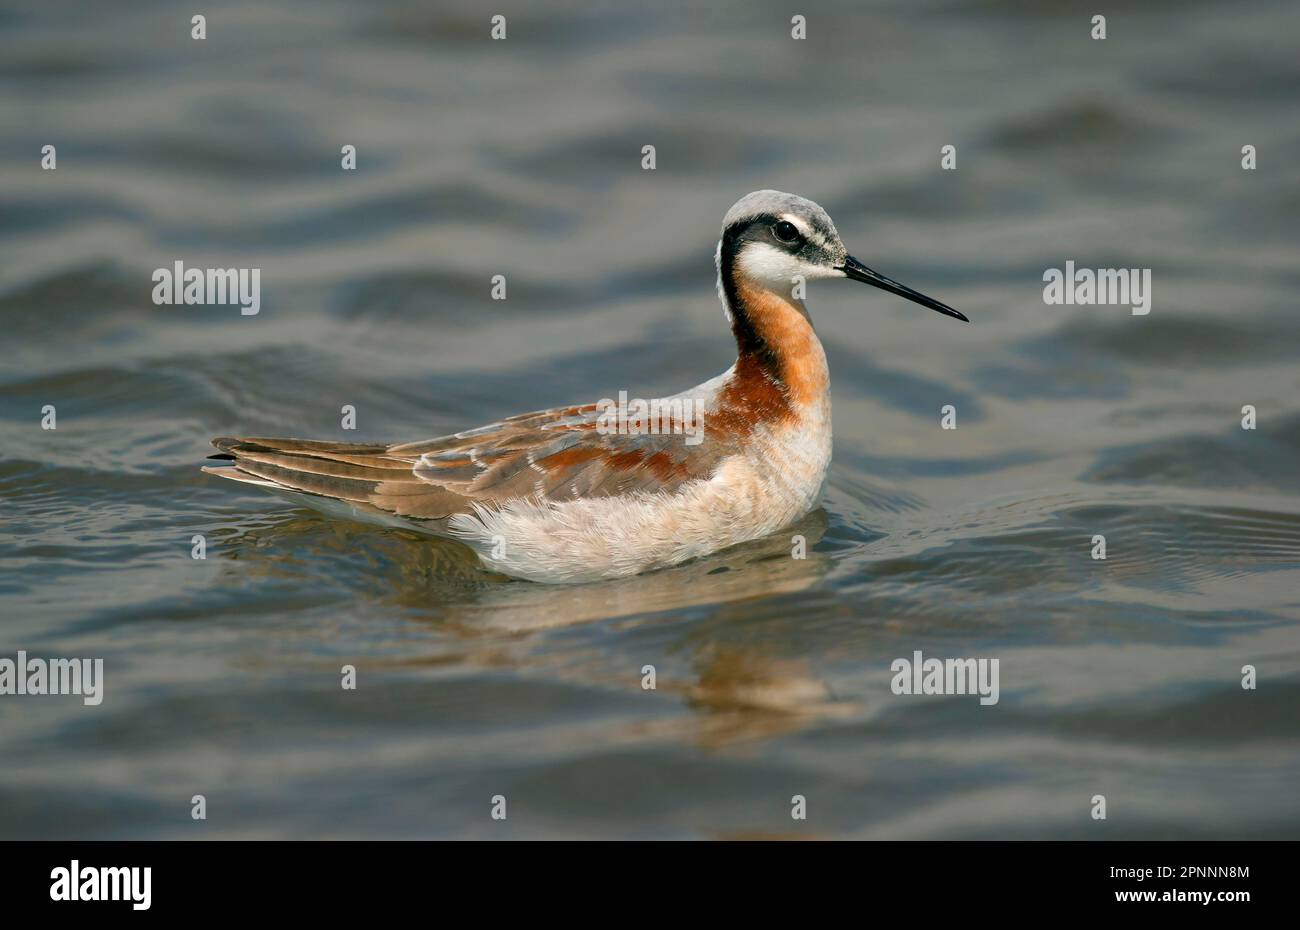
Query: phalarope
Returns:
{"type": "Point", "coordinates": [550, 497]}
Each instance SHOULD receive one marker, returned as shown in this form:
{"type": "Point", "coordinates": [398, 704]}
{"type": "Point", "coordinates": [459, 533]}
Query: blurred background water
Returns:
{"type": "Point", "coordinates": [522, 158]}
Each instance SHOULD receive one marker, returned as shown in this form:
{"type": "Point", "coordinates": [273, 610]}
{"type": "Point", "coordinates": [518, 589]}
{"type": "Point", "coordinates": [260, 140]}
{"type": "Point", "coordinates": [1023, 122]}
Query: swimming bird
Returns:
{"type": "Point", "coordinates": [575, 494]}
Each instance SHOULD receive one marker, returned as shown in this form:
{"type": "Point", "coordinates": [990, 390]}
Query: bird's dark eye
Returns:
{"type": "Point", "coordinates": [786, 231]}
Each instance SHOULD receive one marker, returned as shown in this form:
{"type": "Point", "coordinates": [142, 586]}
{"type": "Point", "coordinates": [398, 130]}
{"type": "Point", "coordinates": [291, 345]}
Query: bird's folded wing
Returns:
{"type": "Point", "coordinates": [551, 455]}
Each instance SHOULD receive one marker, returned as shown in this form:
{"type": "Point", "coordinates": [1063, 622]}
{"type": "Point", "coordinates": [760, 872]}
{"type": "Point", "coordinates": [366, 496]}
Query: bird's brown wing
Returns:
{"type": "Point", "coordinates": [550, 455]}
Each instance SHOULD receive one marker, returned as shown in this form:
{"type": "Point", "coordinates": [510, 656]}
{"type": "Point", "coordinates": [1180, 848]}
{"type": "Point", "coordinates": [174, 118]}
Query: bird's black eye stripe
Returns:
{"type": "Point", "coordinates": [786, 231]}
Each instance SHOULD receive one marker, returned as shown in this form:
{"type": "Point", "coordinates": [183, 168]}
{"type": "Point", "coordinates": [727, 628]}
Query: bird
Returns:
{"type": "Point", "coordinates": [588, 493]}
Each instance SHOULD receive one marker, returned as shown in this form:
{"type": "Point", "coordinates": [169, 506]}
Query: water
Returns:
{"type": "Point", "coordinates": [522, 158]}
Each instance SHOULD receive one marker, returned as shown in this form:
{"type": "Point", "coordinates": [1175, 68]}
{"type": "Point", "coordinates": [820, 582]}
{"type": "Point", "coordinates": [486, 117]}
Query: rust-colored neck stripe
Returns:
{"type": "Point", "coordinates": [780, 362]}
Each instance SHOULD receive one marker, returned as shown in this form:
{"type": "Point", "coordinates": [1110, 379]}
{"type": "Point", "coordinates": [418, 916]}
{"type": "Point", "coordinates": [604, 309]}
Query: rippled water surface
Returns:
{"type": "Point", "coordinates": [1119, 677]}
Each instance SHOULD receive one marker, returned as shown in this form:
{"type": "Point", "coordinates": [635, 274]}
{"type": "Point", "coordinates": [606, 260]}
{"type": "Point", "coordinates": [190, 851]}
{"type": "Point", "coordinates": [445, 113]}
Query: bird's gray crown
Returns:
{"type": "Point", "coordinates": [768, 203]}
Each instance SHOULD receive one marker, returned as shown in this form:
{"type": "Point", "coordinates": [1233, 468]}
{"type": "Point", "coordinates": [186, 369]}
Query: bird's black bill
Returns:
{"type": "Point", "coordinates": [854, 269]}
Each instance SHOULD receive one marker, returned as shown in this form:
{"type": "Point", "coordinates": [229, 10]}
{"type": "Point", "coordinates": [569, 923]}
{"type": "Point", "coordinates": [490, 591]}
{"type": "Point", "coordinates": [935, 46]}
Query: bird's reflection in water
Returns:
{"type": "Point", "coordinates": [749, 693]}
{"type": "Point", "coordinates": [738, 691]}
{"type": "Point", "coordinates": [740, 687]}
